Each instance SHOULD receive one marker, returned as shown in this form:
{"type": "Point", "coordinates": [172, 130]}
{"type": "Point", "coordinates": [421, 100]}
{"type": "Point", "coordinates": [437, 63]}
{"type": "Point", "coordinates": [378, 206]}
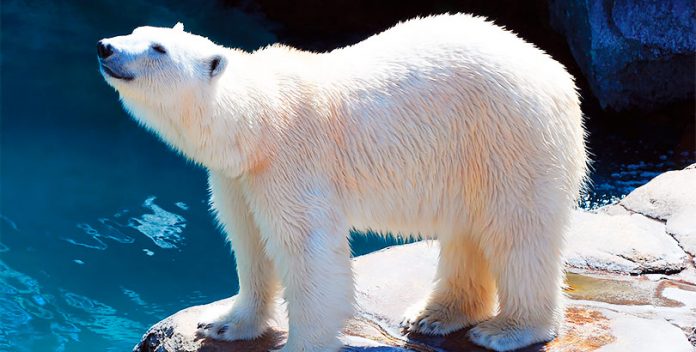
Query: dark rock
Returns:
{"type": "Point", "coordinates": [635, 54]}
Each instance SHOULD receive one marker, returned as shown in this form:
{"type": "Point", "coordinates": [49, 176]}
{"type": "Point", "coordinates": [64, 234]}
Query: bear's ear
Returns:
{"type": "Point", "coordinates": [216, 64]}
{"type": "Point", "coordinates": [179, 27]}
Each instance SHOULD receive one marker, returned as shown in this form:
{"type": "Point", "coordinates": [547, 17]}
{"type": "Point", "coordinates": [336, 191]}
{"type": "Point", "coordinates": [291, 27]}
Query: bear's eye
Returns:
{"type": "Point", "coordinates": [159, 48]}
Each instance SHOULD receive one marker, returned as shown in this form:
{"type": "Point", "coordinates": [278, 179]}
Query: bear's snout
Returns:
{"type": "Point", "coordinates": [114, 66]}
{"type": "Point", "coordinates": [104, 50]}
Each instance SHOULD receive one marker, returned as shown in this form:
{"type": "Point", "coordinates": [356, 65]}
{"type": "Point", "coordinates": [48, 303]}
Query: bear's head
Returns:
{"type": "Point", "coordinates": [157, 63]}
{"type": "Point", "coordinates": [169, 81]}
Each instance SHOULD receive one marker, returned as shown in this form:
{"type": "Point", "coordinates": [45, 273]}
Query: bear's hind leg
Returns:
{"type": "Point", "coordinates": [526, 261]}
{"type": "Point", "coordinates": [463, 293]}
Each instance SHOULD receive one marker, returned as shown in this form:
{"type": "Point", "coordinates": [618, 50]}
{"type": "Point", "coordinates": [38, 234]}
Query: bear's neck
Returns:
{"type": "Point", "coordinates": [229, 129]}
{"type": "Point", "coordinates": [237, 126]}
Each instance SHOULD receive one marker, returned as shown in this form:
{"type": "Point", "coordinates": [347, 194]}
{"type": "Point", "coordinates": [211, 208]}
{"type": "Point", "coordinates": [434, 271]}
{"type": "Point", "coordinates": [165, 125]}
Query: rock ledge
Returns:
{"type": "Point", "coordinates": [631, 286]}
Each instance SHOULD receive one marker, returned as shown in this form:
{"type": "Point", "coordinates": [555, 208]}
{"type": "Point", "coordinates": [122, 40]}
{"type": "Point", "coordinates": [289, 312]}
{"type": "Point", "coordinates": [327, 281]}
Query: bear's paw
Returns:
{"type": "Point", "coordinates": [435, 319]}
{"type": "Point", "coordinates": [500, 334]}
{"type": "Point", "coordinates": [238, 322]}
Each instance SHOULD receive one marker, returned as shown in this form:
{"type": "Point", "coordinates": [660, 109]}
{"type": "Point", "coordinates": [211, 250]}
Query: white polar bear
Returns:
{"type": "Point", "coordinates": [446, 126]}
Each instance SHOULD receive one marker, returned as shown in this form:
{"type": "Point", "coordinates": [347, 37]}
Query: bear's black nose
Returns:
{"type": "Point", "coordinates": [104, 50]}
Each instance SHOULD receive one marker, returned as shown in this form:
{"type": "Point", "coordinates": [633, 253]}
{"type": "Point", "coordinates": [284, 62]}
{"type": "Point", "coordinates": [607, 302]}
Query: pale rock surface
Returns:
{"type": "Point", "coordinates": [668, 194]}
{"type": "Point", "coordinates": [652, 230]}
{"type": "Point", "coordinates": [670, 197]}
{"type": "Point", "coordinates": [626, 243]}
{"type": "Point", "coordinates": [599, 314]}
{"type": "Point", "coordinates": [682, 226]}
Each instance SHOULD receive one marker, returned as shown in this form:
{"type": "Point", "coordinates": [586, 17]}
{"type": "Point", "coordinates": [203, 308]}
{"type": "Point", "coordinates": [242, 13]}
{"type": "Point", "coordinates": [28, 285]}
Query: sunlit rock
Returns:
{"type": "Point", "coordinates": [599, 315]}
{"type": "Point", "coordinates": [670, 197]}
{"type": "Point", "coordinates": [650, 231]}
{"type": "Point", "coordinates": [623, 243]}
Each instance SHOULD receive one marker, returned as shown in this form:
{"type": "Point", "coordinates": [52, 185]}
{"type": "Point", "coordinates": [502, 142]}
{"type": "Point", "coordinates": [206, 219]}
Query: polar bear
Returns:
{"type": "Point", "coordinates": [446, 126]}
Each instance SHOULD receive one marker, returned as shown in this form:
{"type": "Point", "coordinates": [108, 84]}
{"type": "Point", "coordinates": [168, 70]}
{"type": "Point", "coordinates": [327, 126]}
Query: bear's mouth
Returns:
{"type": "Point", "coordinates": [108, 71]}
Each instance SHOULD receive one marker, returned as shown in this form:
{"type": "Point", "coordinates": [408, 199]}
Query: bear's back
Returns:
{"type": "Point", "coordinates": [451, 41]}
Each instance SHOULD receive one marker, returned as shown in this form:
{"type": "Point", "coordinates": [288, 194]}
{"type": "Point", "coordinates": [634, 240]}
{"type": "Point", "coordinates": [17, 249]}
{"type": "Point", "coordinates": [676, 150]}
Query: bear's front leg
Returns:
{"type": "Point", "coordinates": [308, 241]}
{"type": "Point", "coordinates": [247, 318]}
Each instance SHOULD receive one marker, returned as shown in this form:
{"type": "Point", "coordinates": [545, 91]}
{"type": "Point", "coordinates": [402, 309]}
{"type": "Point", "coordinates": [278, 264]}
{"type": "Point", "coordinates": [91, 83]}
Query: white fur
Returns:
{"type": "Point", "coordinates": [446, 126]}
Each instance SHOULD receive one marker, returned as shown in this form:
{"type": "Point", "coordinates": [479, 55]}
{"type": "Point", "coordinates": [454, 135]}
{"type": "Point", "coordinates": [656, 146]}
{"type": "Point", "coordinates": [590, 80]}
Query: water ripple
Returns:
{"type": "Point", "coordinates": [65, 331]}
{"type": "Point", "coordinates": [134, 296]}
{"type": "Point", "coordinates": [25, 309]}
{"type": "Point", "coordinates": [9, 222]}
{"type": "Point", "coordinates": [12, 314]}
{"type": "Point", "coordinates": [162, 227]}
{"type": "Point", "coordinates": [34, 309]}
{"type": "Point", "coordinates": [108, 231]}
{"type": "Point", "coordinates": [16, 282]}
{"type": "Point", "coordinates": [100, 318]}
{"type": "Point", "coordinates": [86, 304]}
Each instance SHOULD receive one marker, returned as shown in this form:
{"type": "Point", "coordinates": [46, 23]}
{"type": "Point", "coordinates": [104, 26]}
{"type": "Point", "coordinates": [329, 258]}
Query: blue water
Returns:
{"type": "Point", "coordinates": [103, 230]}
